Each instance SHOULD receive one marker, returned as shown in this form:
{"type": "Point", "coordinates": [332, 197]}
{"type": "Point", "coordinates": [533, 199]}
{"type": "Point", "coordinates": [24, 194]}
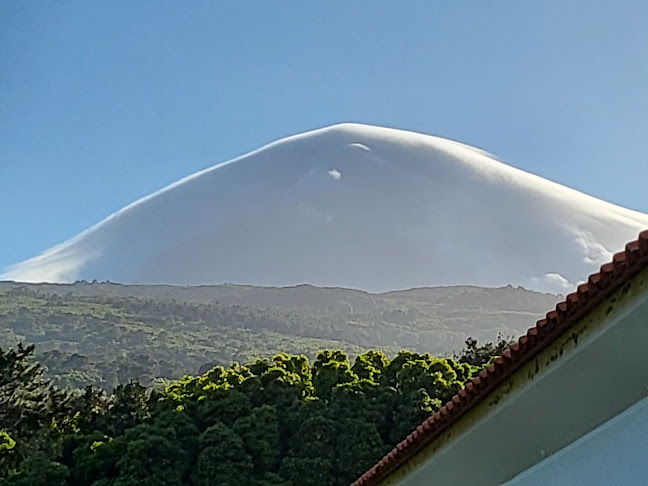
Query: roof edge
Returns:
{"type": "Point", "coordinates": [624, 266]}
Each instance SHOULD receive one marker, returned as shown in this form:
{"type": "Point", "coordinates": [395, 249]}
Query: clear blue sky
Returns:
{"type": "Point", "coordinates": [104, 102]}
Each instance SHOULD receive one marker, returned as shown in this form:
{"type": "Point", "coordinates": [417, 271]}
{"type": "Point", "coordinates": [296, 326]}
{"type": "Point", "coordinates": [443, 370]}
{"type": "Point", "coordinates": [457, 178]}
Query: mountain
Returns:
{"type": "Point", "coordinates": [354, 206]}
{"type": "Point", "coordinates": [105, 334]}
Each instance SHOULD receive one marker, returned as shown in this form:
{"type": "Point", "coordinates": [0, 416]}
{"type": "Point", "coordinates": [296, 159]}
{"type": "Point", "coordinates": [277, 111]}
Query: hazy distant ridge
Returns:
{"type": "Point", "coordinates": [111, 332]}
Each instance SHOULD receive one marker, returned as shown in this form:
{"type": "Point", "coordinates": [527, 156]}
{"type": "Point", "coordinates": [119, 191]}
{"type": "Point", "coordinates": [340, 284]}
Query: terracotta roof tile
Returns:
{"type": "Point", "coordinates": [621, 269]}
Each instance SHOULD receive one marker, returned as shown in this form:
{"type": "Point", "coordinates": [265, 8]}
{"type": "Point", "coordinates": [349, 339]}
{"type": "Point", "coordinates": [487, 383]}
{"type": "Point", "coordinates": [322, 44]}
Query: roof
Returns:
{"type": "Point", "coordinates": [613, 275]}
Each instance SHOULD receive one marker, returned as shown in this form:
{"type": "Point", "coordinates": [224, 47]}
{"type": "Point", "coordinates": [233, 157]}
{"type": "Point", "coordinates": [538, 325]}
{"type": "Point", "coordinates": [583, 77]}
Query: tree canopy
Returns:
{"type": "Point", "coordinates": [280, 421]}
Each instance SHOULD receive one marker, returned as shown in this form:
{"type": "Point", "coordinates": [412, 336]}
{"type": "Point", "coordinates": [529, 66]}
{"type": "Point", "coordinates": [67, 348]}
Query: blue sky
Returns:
{"type": "Point", "coordinates": [102, 103]}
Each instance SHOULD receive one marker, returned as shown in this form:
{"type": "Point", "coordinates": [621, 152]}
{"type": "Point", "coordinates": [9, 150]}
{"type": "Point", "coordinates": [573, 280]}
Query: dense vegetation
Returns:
{"type": "Point", "coordinates": [106, 334]}
{"type": "Point", "coordinates": [283, 421]}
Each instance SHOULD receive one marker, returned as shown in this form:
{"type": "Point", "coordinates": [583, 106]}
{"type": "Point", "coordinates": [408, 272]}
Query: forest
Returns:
{"type": "Point", "coordinates": [281, 421]}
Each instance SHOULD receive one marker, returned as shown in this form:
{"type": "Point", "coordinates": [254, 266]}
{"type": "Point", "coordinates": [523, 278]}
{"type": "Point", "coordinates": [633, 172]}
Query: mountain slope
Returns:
{"type": "Point", "coordinates": [106, 333]}
{"type": "Point", "coordinates": [354, 206]}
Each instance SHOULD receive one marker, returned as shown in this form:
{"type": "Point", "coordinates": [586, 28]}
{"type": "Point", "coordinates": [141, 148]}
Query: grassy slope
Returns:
{"type": "Point", "coordinates": [107, 333]}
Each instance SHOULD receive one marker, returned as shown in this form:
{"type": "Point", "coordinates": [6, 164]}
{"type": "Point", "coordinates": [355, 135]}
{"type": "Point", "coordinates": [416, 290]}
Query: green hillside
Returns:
{"type": "Point", "coordinates": [106, 334]}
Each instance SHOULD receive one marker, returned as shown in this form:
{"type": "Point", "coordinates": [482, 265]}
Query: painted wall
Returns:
{"type": "Point", "coordinates": [614, 453]}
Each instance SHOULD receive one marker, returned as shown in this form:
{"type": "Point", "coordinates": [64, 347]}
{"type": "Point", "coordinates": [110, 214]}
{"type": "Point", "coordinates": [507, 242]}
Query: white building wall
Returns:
{"type": "Point", "coordinates": [615, 453]}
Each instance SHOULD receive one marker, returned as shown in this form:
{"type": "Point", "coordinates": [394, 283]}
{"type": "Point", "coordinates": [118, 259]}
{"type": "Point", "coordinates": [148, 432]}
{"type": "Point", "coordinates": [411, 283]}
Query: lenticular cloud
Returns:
{"type": "Point", "coordinates": [353, 206]}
